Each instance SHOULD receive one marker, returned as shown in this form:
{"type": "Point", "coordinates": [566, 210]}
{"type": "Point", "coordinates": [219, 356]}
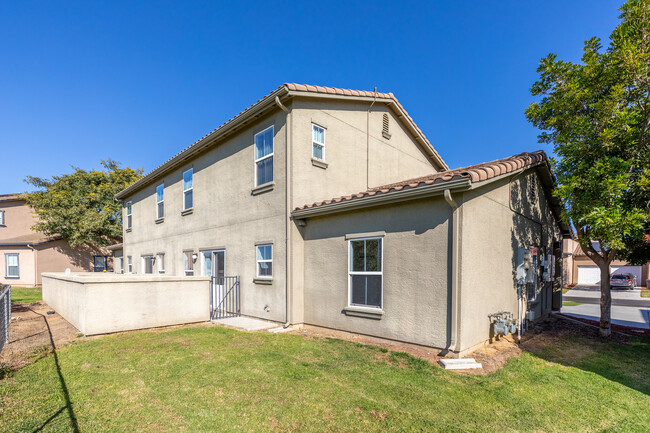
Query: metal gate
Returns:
{"type": "Point", "coordinates": [5, 314]}
{"type": "Point", "coordinates": [225, 298]}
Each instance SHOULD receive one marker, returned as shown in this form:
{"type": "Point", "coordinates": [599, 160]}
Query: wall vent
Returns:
{"type": "Point", "coordinates": [386, 127]}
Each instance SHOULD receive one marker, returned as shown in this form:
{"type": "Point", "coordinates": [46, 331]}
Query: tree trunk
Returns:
{"type": "Point", "coordinates": [605, 300]}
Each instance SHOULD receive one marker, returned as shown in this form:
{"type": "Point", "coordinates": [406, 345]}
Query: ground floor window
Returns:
{"type": "Point", "coordinates": [129, 264]}
{"type": "Point", "coordinates": [121, 262]}
{"type": "Point", "coordinates": [265, 261]}
{"type": "Point", "coordinates": [147, 264]}
{"type": "Point", "coordinates": [160, 262]}
{"type": "Point", "coordinates": [365, 278]}
{"type": "Point", "coordinates": [100, 263]}
{"type": "Point", "coordinates": [12, 268]}
{"type": "Point", "coordinates": [188, 261]}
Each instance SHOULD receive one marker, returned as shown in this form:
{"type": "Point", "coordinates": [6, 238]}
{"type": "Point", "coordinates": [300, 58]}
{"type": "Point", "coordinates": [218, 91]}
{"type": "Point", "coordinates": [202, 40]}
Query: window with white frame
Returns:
{"type": "Point", "coordinates": [160, 201]}
{"type": "Point", "coordinates": [12, 265]}
{"type": "Point", "coordinates": [147, 264]}
{"type": "Point", "coordinates": [188, 189]}
{"type": "Point", "coordinates": [129, 215]}
{"type": "Point", "coordinates": [121, 264]}
{"type": "Point", "coordinates": [188, 261]}
{"type": "Point", "coordinates": [2, 217]}
{"type": "Point", "coordinates": [160, 262]}
{"type": "Point", "coordinates": [265, 261]}
{"type": "Point", "coordinates": [129, 264]}
{"type": "Point", "coordinates": [264, 157]}
{"type": "Point", "coordinates": [365, 277]}
{"type": "Point", "coordinates": [318, 142]}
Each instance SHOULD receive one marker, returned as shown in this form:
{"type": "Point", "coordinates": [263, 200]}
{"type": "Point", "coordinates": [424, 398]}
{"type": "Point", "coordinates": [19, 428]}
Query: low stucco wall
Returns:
{"type": "Point", "coordinates": [100, 304]}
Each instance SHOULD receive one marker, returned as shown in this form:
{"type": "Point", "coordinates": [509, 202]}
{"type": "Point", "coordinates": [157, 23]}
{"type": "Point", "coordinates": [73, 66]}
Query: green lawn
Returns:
{"type": "Point", "coordinates": [571, 303]}
{"type": "Point", "coordinates": [215, 379]}
{"type": "Point", "coordinates": [566, 289]}
{"type": "Point", "coordinates": [26, 294]}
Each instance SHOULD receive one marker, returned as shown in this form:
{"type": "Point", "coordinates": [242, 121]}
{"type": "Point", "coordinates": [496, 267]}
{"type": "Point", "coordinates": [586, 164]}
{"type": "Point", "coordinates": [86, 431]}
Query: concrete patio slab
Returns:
{"type": "Point", "coordinates": [246, 323]}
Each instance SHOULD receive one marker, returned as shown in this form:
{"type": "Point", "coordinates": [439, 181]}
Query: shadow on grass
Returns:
{"type": "Point", "coordinates": [620, 358]}
{"type": "Point", "coordinates": [64, 387]}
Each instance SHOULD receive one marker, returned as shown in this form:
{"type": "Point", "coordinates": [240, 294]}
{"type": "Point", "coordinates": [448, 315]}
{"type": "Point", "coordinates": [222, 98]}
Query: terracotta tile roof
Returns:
{"type": "Point", "coordinates": [475, 173]}
{"type": "Point", "coordinates": [281, 91]}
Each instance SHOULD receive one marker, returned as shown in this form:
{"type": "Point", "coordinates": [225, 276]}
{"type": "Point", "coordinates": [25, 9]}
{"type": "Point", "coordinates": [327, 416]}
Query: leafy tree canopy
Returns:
{"type": "Point", "coordinates": [80, 206]}
{"type": "Point", "coordinates": [597, 115]}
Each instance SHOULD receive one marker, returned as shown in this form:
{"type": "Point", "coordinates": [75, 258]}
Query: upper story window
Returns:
{"type": "Point", "coordinates": [160, 201]}
{"type": "Point", "coordinates": [2, 217]}
{"type": "Point", "coordinates": [12, 266]}
{"type": "Point", "coordinates": [265, 261]}
{"type": "Point", "coordinates": [188, 189]}
{"type": "Point", "coordinates": [318, 142]}
{"type": "Point", "coordinates": [365, 279]}
{"type": "Point", "coordinates": [129, 215]}
{"type": "Point", "coordinates": [264, 156]}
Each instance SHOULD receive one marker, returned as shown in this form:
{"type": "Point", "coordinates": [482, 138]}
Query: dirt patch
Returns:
{"type": "Point", "coordinates": [31, 333]}
{"type": "Point", "coordinates": [493, 355]}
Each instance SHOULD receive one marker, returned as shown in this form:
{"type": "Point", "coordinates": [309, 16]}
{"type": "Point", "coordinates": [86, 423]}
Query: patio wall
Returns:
{"type": "Point", "coordinates": [100, 304]}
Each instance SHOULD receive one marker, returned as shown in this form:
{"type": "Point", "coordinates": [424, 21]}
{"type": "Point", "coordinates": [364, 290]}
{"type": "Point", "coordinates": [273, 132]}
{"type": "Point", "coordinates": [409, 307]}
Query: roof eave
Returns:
{"type": "Point", "coordinates": [254, 111]}
{"type": "Point", "coordinates": [382, 199]}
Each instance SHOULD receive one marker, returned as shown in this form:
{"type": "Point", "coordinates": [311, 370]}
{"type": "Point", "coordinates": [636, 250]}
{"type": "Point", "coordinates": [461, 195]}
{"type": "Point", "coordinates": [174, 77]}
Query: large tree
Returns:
{"type": "Point", "coordinates": [80, 206]}
{"type": "Point", "coordinates": [597, 115]}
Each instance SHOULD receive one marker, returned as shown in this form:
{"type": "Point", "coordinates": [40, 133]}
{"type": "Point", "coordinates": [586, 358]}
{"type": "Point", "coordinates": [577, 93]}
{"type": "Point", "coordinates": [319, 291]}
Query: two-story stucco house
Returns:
{"type": "Point", "coordinates": [25, 254]}
{"type": "Point", "coordinates": [303, 197]}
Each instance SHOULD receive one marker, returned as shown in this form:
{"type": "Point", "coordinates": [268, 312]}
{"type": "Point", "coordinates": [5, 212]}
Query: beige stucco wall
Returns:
{"type": "Point", "coordinates": [57, 256]}
{"type": "Point", "coordinates": [18, 219]}
{"type": "Point", "coordinates": [104, 303]}
{"type": "Point", "coordinates": [26, 263]}
{"type": "Point", "coordinates": [227, 215]}
{"type": "Point", "coordinates": [415, 271]}
{"type": "Point", "coordinates": [352, 165]}
{"type": "Point", "coordinates": [496, 221]}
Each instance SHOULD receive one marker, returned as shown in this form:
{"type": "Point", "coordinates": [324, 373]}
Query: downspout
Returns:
{"type": "Point", "coordinates": [287, 205]}
{"type": "Point", "coordinates": [35, 253]}
{"type": "Point", "coordinates": [455, 267]}
{"type": "Point", "coordinates": [368, 140]}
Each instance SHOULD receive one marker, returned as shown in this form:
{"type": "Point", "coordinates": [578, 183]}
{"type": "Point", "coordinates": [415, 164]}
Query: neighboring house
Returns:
{"type": "Point", "coordinates": [582, 271]}
{"type": "Point", "coordinates": [423, 260]}
{"type": "Point", "coordinates": [25, 253]}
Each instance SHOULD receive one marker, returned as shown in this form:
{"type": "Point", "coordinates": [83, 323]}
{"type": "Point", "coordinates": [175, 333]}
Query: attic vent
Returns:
{"type": "Point", "coordinates": [386, 127]}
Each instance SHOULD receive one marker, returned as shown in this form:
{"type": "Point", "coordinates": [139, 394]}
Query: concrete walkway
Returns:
{"type": "Point", "coordinates": [637, 317]}
{"type": "Point", "coordinates": [246, 323]}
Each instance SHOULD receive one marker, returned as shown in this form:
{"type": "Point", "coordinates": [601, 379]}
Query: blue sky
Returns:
{"type": "Point", "coordinates": [86, 81]}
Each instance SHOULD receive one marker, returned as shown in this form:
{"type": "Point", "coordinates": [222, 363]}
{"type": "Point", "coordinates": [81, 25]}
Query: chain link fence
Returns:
{"type": "Point", "coordinates": [5, 314]}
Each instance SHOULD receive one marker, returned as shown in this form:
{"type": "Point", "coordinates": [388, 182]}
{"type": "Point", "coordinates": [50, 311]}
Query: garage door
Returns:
{"type": "Point", "coordinates": [634, 270]}
{"type": "Point", "coordinates": [588, 275]}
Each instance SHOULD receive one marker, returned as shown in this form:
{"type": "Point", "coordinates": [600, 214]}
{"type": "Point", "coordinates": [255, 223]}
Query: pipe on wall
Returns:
{"type": "Point", "coordinates": [287, 206]}
{"type": "Point", "coordinates": [368, 140]}
{"type": "Point", "coordinates": [455, 272]}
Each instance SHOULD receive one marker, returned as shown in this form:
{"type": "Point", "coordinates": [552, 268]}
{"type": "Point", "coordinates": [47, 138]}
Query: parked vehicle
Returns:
{"type": "Point", "coordinates": [623, 280]}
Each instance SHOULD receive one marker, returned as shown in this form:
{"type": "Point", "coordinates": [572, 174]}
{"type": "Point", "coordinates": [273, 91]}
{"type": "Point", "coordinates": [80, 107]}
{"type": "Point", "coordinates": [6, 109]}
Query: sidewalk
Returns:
{"type": "Point", "coordinates": [637, 317]}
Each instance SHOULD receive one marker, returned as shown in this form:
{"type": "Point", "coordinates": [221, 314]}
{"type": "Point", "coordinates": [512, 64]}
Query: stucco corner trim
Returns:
{"type": "Point", "coordinates": [160, 220]}
{"type": "Point", "coordinates": [366, 313]}
{"type": "Point", "coordinates": [129, 230]}
{"type": "Point", "coordinates": [318, 163]}
{"type": "Point", "coordinates": [365, 235]}
{"type": "Point", "coordinates": [187, 211]}
{"type": "Point", "coordinates": [266, 281]}
{"type": "Point", "coordinates": [263, 188]}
